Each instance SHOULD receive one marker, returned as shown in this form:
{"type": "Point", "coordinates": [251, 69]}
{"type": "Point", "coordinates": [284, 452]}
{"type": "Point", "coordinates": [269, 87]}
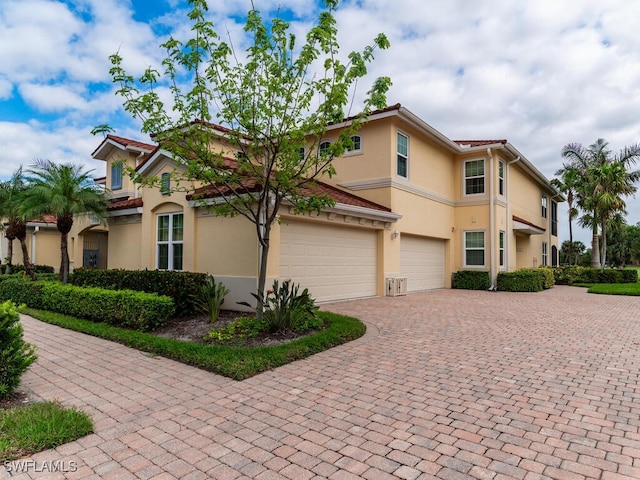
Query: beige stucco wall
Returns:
{"type": "Point", "coordinates": [125, 243]}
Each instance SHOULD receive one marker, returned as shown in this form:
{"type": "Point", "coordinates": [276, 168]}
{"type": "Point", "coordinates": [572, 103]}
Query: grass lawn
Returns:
{"type": "Point", "coordinates": [30, 429]}
{"type": "Point", "coordinates": [615, 288]}
{"type": "Point", "coordinates": [236, 363]}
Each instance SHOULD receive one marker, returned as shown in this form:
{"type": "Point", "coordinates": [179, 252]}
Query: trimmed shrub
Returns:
{"type": "Point", "coordinates": [567, 274]}
{"type": "Point", "coordinates": [21, 292]}
{"type": "Point", "coordinates": [123, 308]}
{"type": "Point", "coordinates": [629, 275]}
{"type": "Point", "coordinates": [525, 280]}
{"type": "Point", "coordinates": [15, 354]}
{"type": "Point", "coordinates": [548, 279]}
{"type": "Point", "coordinates": [20, 268]}
{"type": "Point", "coordinates": [180, 286]}
{"type": "Point", "coordinates": [470, 280]}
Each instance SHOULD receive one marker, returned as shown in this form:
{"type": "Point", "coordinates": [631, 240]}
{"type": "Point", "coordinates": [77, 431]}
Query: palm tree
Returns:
{"type": "Point", "coordinates": [11, 193]}
{"type": "Point", "coordinates": [602, 182]}
{"type": "Point", "coordinates": [567, 183]}
{"type": "Point", "coordinates": [65, 191]}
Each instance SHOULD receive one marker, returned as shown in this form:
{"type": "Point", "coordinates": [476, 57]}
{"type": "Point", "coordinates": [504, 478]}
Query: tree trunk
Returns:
{"type": "Point", "coordinates": [64, 255]}
{"type": "Point", "coordinates": [262, 271]}
{"type": "Point", "coordinates": [21, 235]}
{"type": "Point", "coordinates": [595, 249]}
{"type": "Point", "coordinates": [571, 259]}
{"type": "Point", "coordinates": [7, 269]}
{"type": "Point", "coordinates": [603, 255]}
{"type": "Point", "coordinates": [28, 267]}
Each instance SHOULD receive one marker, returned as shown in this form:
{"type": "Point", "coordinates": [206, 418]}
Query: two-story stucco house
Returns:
{"type": "Point", "coordinates": [410, 204]}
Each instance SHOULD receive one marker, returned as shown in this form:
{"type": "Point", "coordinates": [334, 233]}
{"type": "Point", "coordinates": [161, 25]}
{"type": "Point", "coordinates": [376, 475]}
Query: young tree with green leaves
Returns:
{"type": "Point", "coordinates": [566, 182]}
{"type": "Point", "coordinates": [274, 103]}
{"type": "Point", "coordinates": [64, 191]}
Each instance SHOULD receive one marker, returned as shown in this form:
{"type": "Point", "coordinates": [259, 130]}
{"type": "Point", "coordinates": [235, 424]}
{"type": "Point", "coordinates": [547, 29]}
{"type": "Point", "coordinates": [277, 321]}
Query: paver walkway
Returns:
{"type": "Point", "coordinates": [445, 384]}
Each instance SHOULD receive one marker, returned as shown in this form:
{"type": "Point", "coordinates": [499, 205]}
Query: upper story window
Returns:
{"type": "Point", "coordinates": [116, 176]}
{"type": "Point", "coordinates": [554, 218]}
{"type": "Point", "coordinates": [324, 148]}
{"type": "Point", "coordinates": [501, 178]}
{"type": "Point", "coordinates": [240, 155]}
{"type": "Point", "coordinates": [544, 206]}
{"type": "Point", "coordinates": [356, 144]}
{"type": "Point", "coordinates": [302, 152]}
{"type": "Point", "coordinates": [402, 165]}
{"type": "Point", "coordinates": [474, 177]}
{"type": "Point", "coordinates": [474, 249]}
{"type": "Point", "coordinates": [165, 183]}
{"type": "Point", "coordinates": [169, 247]}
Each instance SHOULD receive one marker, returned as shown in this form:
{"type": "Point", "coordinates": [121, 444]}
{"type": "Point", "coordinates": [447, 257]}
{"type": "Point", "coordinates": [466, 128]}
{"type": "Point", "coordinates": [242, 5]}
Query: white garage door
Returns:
{"type": "Point", "coordinates": [334, 263]}
{"type": "Point", "coordinates": [422, 262]}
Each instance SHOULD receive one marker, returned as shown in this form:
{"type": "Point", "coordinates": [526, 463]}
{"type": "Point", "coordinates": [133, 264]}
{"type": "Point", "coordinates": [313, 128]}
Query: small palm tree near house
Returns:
{"type": "Point", "coordinates": [15, 226]}
{"type": "Point", "coordinates": [64, 191]}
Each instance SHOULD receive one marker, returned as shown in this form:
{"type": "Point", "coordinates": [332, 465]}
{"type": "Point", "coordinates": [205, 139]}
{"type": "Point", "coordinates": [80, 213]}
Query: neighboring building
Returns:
{"type": "Point", "coordinates": [410, 204]}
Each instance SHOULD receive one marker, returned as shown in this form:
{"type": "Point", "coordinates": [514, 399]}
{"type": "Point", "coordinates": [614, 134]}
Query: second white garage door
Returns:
{"type": "Point", "coordinates": [334, 263]}
{"type": "Point", "coordinates": [422, 262]}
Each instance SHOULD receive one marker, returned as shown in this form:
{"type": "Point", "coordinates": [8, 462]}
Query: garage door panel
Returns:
{"type": "Point", "coordinates": [338, 262]}
{"type": "Point", "coordinates": [422, 261]}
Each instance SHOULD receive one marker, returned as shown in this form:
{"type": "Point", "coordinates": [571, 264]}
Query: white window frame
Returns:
{"type": "Point", "coordinates": [400, 155]}
{"type": "Point", "coordinates": [501, 183]}
{"type": "Point", "coordinates": [544, 206]}
{"type": "Point", "coordinates": [170, 241]}
{"type": "Point", "coordinates": [116, 176]}
{"type": "Point", "coordinates": [465, 248]}
{"type": "Point", "coordinates": [545, 252]}
{"type": "Point", "coordinates": [465, 178]}
{"type": "Point", "coordinates": [324, 147]}
{"type": "Point", "coordinates": [501, 248]}
{"type": "Point", "coordinates": [355, 150]}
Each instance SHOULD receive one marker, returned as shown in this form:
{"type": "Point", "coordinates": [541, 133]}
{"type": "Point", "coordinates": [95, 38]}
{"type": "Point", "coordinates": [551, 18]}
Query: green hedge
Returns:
{"type": "Point", "coordinates": [470, 280]}
{"type": "Point", "coordinates": [178, 285]}
{"type": "Point", "coordinates": [124, 308]}
{"type": "Point", "coordinates": [525, 280]}
{"type": "Point", "coordinates": [20, 268]}
{"type": "Point", "coordinates": [570, 274]}
{"type": "Point", "coordinates": [15, 354]}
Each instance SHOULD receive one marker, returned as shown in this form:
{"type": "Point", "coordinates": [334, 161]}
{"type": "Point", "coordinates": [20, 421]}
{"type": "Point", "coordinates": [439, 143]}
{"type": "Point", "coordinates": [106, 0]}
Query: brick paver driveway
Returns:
{"type": "Point", "coordinates": [445, 384]}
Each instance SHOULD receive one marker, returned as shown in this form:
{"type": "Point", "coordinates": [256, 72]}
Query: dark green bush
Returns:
{"type": "Point", "coordinates": [124, 308]}
{"type": "Point", "coordinates": [629, 275]}
{"type": "Point", "coordinates": [609, 275]}
{"type": "Point", "coordinates": [470, 280]}
{"type": "Point", "coordinates": [180, 286]}
{"type": "Point", "coordinates": [525, 280]}
{"type": "Point", "coordinates": [20, 268]}
{"type": "Point", "coordinates": [15, 354]}
{"type": "Point", "coordinates": [21, 291]}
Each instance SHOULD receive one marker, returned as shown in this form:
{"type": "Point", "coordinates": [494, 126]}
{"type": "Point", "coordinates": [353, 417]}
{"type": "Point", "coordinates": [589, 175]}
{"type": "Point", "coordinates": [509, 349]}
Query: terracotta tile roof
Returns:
{"type": "Point", "coordinates": [390, 108]}
{"type": "Point", "coordinates": [127, 142]}
{"type": "Point", "coordinates": [45, 219]}
{"type": "Point", "coordinates": [124, 204]}
{"type": "Point", "coordinates": [479, 143]}
{"type": "Point", "coordinates": [522, 220]}
{"type": "Point", "coordinates": [320, 188]}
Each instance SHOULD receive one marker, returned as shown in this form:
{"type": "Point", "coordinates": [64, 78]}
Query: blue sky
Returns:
{"type": "Point", "coordinates": [541, 74]}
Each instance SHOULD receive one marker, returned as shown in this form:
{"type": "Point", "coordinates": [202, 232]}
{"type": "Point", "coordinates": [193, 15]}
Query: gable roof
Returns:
{"type": "Point", "coordinates": [320, 188]}
{"type": "Point", "coordinates": [113, 141]}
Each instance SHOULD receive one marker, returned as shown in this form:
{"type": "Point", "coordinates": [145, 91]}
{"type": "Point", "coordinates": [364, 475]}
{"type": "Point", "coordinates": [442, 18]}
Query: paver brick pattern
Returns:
{"type": "Point", "coordinates": [445, 384]}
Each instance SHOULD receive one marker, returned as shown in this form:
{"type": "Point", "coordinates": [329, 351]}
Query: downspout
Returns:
{"type": "Point", "coordinates": [33, 244]}
{"type": "Point", "coordinates": [508, 188]}
{"type": "Point", "coordinates": [492, 221]}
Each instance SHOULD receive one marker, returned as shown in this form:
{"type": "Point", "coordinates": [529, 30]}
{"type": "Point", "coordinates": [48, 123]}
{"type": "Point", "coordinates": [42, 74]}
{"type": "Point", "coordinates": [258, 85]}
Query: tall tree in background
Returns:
{"type": "Point", "coordinates": [603, 181]}
{"type": "Point", "coordinates": [566, 182]}
{"type": "Point", "coordinates": [274, 101]}
{"type": "Point", "coordinates": [64, 191]}
{"type": "Point", "coordinates": [11, 212]}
